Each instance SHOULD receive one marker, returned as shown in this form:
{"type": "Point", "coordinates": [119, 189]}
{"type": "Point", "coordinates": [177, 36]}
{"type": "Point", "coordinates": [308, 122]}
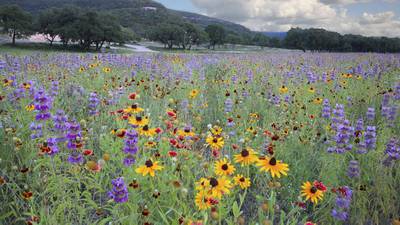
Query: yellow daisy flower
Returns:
{"type": "Point", "coordinates": [311, 192]}
{"type": "Point", "coordinates": [224, 168]}
{"type": "Point", "coordinates": [149, 167]}
{"type": "Point", "coordinates": [283, 89]}
{"type": "Point", "coordinates": [146, 131]}
{"type": "Point", "coordinates": [193, 93]}
{"type": "Point", "coordinates": [134, 108]}
{"type": "Point", "coordinates": [139, 121]}
{"type": "Point", "coordinates": [219, 187]}
{"type": "Point", "coordinates": [275, 167]}
{"type": "Point", "coordinates": [215, 142]}
{"type": "Point", "coordinates": [203, 200]}
{"type": "Point", "coordinates": [243, 182]}
{"type": "Point", "coordinates": [246, 157]}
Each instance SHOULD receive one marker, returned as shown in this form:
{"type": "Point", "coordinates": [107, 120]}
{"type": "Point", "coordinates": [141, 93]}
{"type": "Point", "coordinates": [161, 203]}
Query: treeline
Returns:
{"type": "Point", "coordinates": [72, 25]}
{"type": "Point", "coordinates": [91, 29]}
{"type": "Point", "coordinates": [323, 40]}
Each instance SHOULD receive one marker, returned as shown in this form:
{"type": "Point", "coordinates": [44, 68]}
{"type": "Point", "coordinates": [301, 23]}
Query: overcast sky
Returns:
{"type": "Point", "coordinates": [366, 17]}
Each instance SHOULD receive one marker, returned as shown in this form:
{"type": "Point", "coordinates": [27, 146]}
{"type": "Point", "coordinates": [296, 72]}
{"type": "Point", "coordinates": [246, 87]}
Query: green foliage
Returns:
{"type": "Point", "coordinates": [216, 34]}
{"type": "Point", "coordinates": [323, 40]}
{"type": "Point", "coordinates": [15, 21]}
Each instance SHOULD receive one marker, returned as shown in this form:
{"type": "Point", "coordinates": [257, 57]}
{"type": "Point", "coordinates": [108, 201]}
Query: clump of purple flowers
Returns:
{"type": "Point", "coordinates": [93, 103]}
{"type": "Point", "coordinates": [392, 151]}
{"type": "Point", "coordinates": [326, 109]}
{"type": "Point", "coordinates": [130, 147]}
{"type": "Point", "coordinates": [119, 192]}
{"type": "Point", "coordinates": [343, 200]}
{"type": "Point", "coordinates": [370, 137]}
{"type": "Point", "coordinates": [73, 137]}
{"type": "Point", "coordinates": [42, 105]}
{"type": "Point", "coordinates": [353, 169]}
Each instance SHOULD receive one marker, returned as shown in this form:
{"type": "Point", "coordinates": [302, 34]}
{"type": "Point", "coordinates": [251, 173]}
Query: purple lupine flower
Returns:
{"type": "Point", "coordinates": [93, 103]}
{"type": "Point", "coordinates": [371, 114]}
{"type": "Point", "coordinates": [37, 130]}
{"type": "Point", "coordinates": [326, 109]}
{"type": "Point", "coordinates": [52, 143]}
{"type": "Point", "coordinates": [228, 105]}
{"type": "Point", "coordinates": [75, 157]}
{"type": "Point", "coordinates": [343, 200]}
{"type": "Point", "coordinates": [54, 88]}
{"type": "Point", "coordinates": [130, 147]}
{"type": "Point", "coordinates": [392, 151]}
{"type": "Point", "coordinates": [353, 169]}
{"type": "Point", "coordinates": [339, 215]}
{"type": "Point", "coordinates": [370, 137]}
{"type": "Point", "coordinates": [42, 105]}
{"type": "Point", "coordinates": [119, 192]}
{"type": "Point", "coordinates": [385, 99]}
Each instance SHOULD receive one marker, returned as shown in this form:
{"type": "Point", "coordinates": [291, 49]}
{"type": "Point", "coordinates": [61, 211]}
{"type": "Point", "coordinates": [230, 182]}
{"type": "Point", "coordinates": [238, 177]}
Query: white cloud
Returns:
{"type": "Point", "coordinates": [281, 15]}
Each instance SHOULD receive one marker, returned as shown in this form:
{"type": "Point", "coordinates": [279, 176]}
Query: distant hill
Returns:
{"type": "Point", "coordinates": [139, 15]}
{"type": "Point", "coordinates": [280, 35]}
{"type": "Point", "coordinates": [204, 21]}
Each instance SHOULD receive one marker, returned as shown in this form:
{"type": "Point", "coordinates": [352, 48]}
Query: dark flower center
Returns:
{"type": "Point", "coordinates": [134, 106]}
{"type": "Point", "coordinates": [187, 130]}
{"type": "Point", "coordinates": [213, 182]}
{"type": "Point", "coordinates": [245, 153]}
{"type": "Point", "coordinates": [149, 163]}
{"type": "Point", "coordinates": [146, 128]}
{"type": "Point", "coordinates": [139, 118]}
{"type": "Point", "coordinates": [272, 161]}
{"type": "Point", "coordinates": [224, 167]}
{"type": "Point", "coordinates": [215, 140]}
{"type": "Point", "coordinates": [313, 190]}
{"type": "Point", "coordinates": [241, 179]}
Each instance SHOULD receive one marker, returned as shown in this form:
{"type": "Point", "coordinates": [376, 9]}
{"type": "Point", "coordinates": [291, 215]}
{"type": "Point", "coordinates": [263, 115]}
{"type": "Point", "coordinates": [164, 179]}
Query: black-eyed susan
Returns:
{"type": "Point", "coordinates": [219, 186]}
{"type": "Point", "coordinates": [147, 131]}
{"type": "Point", "coordinates": [106, 69]}
{"type": "Point", "coordinates": [203, 200]}
{"type": "Point", "coordinates": [134, 108]}
{"type": "Point", "coordinates": [215, 142]}
{"type": "Point", "coordinates": [7, 82]}
{"type": "Point", "coordinates": [30, 107]}
{"type": "Point", "coordinates": [283, 89]}
{"type": "Point", "coordinates": [203, 184]}
{"type": "Point", "coordinates": [317, 101]}
{"type": "Point", "coordinates": [246, 157]}
{"type": "Point", "coordinates": [26, 86]}
{"type": "Point", "coordinates": [312, 192]}
{"type": "Point", "coordinates": [81, 69]}
{"type": "Point", "coordinates": [186, 132]}
{"type": "Point", "coordinates": [193, 93]}
{"type": "Point", "coordinates": [224, 168]}
{"type": "Point", "coordinates": [139, 120]}
{"type": "Point", "coordinates": [311, 90]}
{"type": "Point", "coordinates": [149, 167]}
{"type": "Point", "coordinates": [275, 167]}
{"type": "Point", "coordinates": [216, 130]}
{"type": "Point", "coordinates": [241, 181]}
{"type": "Point", "coordinates": [150, 144]}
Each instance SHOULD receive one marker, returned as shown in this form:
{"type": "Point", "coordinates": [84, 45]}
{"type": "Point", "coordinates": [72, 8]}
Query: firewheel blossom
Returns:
{"type": "Point", "coordinates": [119, 191]}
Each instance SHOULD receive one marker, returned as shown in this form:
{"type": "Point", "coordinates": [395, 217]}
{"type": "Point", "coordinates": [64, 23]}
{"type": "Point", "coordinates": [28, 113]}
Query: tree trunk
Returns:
{"type": "Point", "coordinates": [13, 37]}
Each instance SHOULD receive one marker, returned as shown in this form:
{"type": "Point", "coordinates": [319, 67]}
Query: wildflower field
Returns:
{"type": "Point", "coordinates": [255, 138]}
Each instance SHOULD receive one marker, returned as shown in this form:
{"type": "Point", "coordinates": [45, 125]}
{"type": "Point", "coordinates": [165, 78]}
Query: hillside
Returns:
{"type": "Point", "coordinates": [139, 15]}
